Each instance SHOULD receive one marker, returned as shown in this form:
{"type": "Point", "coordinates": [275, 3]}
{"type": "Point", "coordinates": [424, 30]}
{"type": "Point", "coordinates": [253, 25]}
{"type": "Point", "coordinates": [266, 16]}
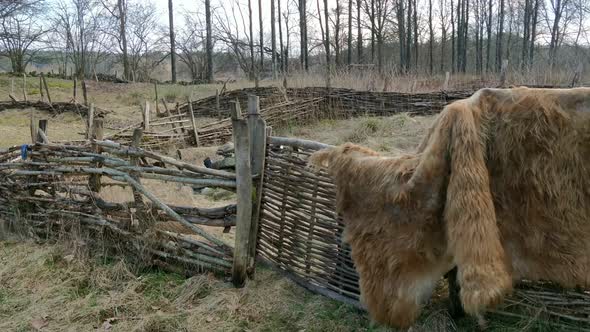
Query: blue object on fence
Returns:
{"type": "Point", "coordinates": [23, 151]}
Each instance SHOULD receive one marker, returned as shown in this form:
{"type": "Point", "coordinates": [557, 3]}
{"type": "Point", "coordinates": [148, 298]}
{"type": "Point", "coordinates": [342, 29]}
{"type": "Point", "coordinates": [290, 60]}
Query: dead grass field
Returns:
{"type": "Point", "coordinates": [60, 288]}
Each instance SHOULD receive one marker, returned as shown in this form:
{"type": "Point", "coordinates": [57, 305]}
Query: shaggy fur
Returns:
{"type": "Point", "coordinates": [500, 188]}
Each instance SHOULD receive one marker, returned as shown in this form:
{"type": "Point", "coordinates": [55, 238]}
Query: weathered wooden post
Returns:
{"type": "Point", "coordinates": [90, 121]}
{"type": "Point", "coordinates": [97, 134]}
{"type": "Point", "coordinates": [12, 86]}
{"type": "Point", "coordinates": [136, 142]}
{"type": "Point", "coordinates": [193, 122]}
{"type": "Point", "coordinates": [146, 116]}
{"type": "Point", "coordinates": [257, 130]}
{"type": "Point", "coordinates": [244, 195]}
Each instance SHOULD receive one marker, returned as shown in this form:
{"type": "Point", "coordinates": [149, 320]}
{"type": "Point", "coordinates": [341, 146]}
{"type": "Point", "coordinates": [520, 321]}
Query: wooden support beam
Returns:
{"type": "Point", "coordinates": [169, 114]}
{"type": "Point", "coordinates": [41, 88]}
{"type": "Point", "coordinates": [177, 109]}
{"type": "Point", "coordinates": [193, 122]}
{"type": "Point", "coordinates": [12, 86]}
{"type": "Point", "coordinates": [75, 89]}
{"type": "Point", "coordinates": [244, 196]}
{"type": "Point", "coordinates": [257, 132]}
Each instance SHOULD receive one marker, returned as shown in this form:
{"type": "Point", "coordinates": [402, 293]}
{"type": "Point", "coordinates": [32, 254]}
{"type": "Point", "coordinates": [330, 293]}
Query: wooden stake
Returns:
{"type": "Point", "coordinates": [97, 134]}
{"type": "Point", "coordinates": [85, 92]}
{"type": "Point", "coordinates": [90, 121]}
{"type": "Point", "coordinates": [244, 196]}
{"type": "Point", "coordinates": [257, 132]}
{"type": "Point", "coordinates": [12, 86]}
{"type": "Point", "coordinates": [169, 114]}
{"type": "Point", "coordinates": [146, 116]}
{"type": "Point", "coordinates": [193, 123]}
{"type": "Point", "coordinates": [177, 108]}
{"type": "Point", "coordinates": [25, 87]}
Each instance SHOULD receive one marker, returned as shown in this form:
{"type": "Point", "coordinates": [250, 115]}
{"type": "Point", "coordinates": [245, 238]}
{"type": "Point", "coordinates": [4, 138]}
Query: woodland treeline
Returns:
{"type": "Point", "coordinates": [270, 38]}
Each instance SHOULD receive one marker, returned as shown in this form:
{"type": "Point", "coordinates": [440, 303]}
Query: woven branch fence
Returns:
{"type": "Point", "coordinates": [301, 234]}
{"type": "Point", "coordinates": [47, 188]}
{"type": "Point", "coordinates": [278, 107]}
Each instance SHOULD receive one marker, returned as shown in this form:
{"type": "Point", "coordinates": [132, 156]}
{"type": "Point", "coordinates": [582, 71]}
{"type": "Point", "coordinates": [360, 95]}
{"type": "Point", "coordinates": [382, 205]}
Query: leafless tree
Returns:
{"type": "Point", "coordinates": [172, 40]}
{"type": "Point", "coordinates": [209, 41]}
{"type": "Point", "coordinates": [20, 38]}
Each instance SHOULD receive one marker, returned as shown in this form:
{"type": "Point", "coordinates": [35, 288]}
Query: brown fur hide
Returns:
{"type": "Point", "coordinates": [500, 188]}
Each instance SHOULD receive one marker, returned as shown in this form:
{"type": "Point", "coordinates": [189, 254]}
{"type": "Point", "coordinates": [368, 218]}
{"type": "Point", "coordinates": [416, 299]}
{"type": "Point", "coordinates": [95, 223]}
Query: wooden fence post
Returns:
{"type": "Point", "coordinates": [257, 130]}
{"type": "Point", "coordinates": [146, 116]}
{"type": "Point", "coordinates": [193, 122]}
{"type": "Point", "coordinates": [136, 142]}
{"type": "Point", "coordinates": [12, 86]}
{"type": "Point", "coordinates": [97, 134]}
{"type": "Point", "coordinates": [244, 195]}
{"type": "Point", "coordinates": [90, 121]}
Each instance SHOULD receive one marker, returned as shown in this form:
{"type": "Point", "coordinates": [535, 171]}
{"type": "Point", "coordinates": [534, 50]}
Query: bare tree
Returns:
{"type": "Point", "coordinates": [359, 36]}
{"type": "Point", "coordinates": [304, 56]}
{"type": "Point", "coordinates": [261, 69]}
{"type": "Point", "coordinates": [430, 39]}
{"type": "Point", "coordinates": [327, 45]}
{"type": "Point", "coordinates": [499, 34]}
{"type": "Point", "coordinates": [20, 36]}
{"type": "Point", "coordinates": [349, 39]}
{"type": "Point", "coordinates": [119, 12]}
{"type": "Point", "coordinates": [281, 45]}
{"type": "Point", "coordinates": [144, 40]}
{"type": "Point", "coordinates": [192, 49]}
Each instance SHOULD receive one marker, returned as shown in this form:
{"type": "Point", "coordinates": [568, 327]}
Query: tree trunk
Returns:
{"type": "Point", "coordinates": [525, 34]}
{"type": "Point", "coordinates": [359, 38]}
{"type": "Point", "coordinates": [303, 34]}
{"type": "Point", "coordinates": [337, 49]}
{"type": "Point", "coordinates": [453, 43]}
{"type": "Point", "coordinates": [349, 50]}
{"type": "Point", "coordinates": [273, 42]}
{"type": "Point", "coordinates": [415, 6]}
{"type": "Point", "coordinates": [209, 42]}
{"type": "Point", "coordinates": [327, 45]}
{"type": "Point", "coordinates": [499, 36]}
{"type": "Point", "coordinates": [172, 46]}
{"type": "Point", "coordinates": [431, 39]}
{"type": "Point", "coordinates": [408, 53]}
{"type": "Point", "coordinates": [281, 46]}
{"type": "Point", "coordinates": [261, 69]}
{"type": "Point", "coordinates": [122, 7]}
{"type": "Point", "coordinates": [533, 33]}
{"type": "Point", "coordinates": [489, 36]}
{"type": "Point", "coordinates": [251, 38]}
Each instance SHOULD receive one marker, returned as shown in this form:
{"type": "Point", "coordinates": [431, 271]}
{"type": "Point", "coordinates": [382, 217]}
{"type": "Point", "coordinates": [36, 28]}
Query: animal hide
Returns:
{"type": "Point", "coordinates": [499, 187]}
